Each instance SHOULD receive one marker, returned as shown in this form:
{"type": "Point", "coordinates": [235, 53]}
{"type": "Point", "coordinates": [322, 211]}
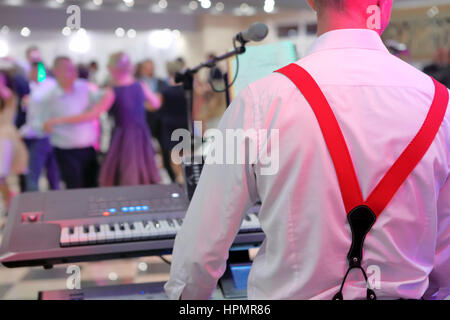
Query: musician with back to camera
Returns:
{"type": "Point", "coordinates": [345, 114]}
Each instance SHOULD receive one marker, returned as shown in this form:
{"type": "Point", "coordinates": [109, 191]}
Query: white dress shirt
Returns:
{"type": "Point", "coordinates": [36, 109]}
{"type": "Point", "coordinates": [64, 104]}
{"type": "Point", "coordinates": [380, 103]}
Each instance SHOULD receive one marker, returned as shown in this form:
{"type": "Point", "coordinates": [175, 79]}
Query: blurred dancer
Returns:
{"type": "Point", "coordinates": [13, 154]}
{"type": "Point", "coordinates": [131, 158]}
{"type": "Point", "coordinates": [145, 72]}
{"type": "Point", "coordinates": [37, 141]}
{"type": "Point", "coordinates": [173, 116]}
{"type": "Point", "coordinates": [73, 143]}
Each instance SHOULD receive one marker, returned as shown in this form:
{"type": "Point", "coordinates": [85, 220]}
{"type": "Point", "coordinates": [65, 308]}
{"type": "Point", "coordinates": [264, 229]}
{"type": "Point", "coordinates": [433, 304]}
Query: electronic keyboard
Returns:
{"type": "Point", "coordinates": [48, 228]}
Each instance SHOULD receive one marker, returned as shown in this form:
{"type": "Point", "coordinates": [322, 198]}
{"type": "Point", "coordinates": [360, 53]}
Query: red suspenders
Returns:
{"type": "Point", "coordinates": [362, 214]}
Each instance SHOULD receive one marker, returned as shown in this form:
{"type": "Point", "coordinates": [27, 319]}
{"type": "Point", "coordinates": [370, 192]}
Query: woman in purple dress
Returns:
{"type": "Point", "coordinates": [131, 157]}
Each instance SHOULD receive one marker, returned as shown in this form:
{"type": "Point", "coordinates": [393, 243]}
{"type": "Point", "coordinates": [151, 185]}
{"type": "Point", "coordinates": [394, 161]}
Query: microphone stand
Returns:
{"type": "Point", "coordinates": [187, 79]}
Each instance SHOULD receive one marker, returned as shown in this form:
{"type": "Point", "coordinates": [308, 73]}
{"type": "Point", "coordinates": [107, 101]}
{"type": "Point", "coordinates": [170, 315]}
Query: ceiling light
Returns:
{"type": "Point", "coordinates": [162, 4]}
{"type": "Point", "coordinates": [193, 5]}
{"type": "Point", "coordinates": [25, 32]}
{"type": "Point", "coordinates": [131, 33]}
{"type": "Point", "coordinates": [4, 48]}
{"type": "Point", "coordinates": [220, 6]}
{"type": "Point", "coordinates": [66, 31]}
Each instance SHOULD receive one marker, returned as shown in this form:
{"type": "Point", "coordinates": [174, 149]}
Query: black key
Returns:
{"type": "Point", "coordinates": [170, 223]}
{"type": "Point", "coordinates": [156, 224]}
{"type": "Point", "coordinates": [97, 228]}
{"type": "Point", "coordinates": [247, 217]}
{"type": "Point", "coordinates": [71, 230]}
{"type": "Point", "coordinates": [86, 229]}
{"type": "Point", "coordinates": [180, 221]}
{"type": "Point", "coordinates": [131, 224]}
{"type": "Point", "coordinates": [122, 226]}
{"type": "Point", "coordinates": [111, 227]}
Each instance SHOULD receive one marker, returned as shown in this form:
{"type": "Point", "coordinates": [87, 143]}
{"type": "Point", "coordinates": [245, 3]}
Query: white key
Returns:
{"type": "Point", "coordinates": [148, 230]}
{"type": "Point", "coordinates": [64, 240]}
{"type": "Point", "coordinates": [177, 224]}
{"type": "Point", "coordinates": [126, 231]}
{"type": "Point", "coordinates": [173, 226]}
{"type": "Point", "coordinates": [74, 237]}
{"type": "Point", "coordinates": [136, 232]}
{"type": "Point", "coordinates": [245, 226]}
{"type": "Point", "coordinates": [166, 230]}
{"type": "Point", "coordinates": [101, 235]}
{"type": "Point", "coordinates": [83, 235]}
{"type": "Point", "coordinates": [110, 234]}
{"type": "Point", "coordinates": [92, 235]}
{"type": "Point", "coordinates": [254, 221]}
{"type": "Point", "coordinates": [157, 232]}
{"type": "Point", "coordinates": [119, 233]}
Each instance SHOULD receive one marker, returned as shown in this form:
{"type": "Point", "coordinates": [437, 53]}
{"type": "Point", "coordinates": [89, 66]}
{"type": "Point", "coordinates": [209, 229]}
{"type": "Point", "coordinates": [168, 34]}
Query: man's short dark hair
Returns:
{"type": "Point", "coordinates": [59, 58]}
{"type": "Point", "coordinates": [29, 49]}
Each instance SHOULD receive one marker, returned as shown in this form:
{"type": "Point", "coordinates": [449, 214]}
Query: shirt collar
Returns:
{"type": "Point", "coordinates": [348, 39]}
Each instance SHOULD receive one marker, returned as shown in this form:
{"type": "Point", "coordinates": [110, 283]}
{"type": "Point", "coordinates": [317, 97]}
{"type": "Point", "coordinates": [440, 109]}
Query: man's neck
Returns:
{"type": "Point", "coordinates": [66, 87]}
{"type": "Point", "coordinates": [330, 21]}
{"type": "Point", "coordinates": [124, 80]}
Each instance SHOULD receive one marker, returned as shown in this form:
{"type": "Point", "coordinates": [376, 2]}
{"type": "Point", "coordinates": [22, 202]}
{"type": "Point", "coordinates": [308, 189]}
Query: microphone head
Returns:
{"type": "Point", "coordinates": [257, 32]}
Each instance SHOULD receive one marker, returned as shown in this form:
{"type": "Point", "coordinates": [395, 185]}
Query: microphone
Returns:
{"type": "Point", "coordinates": [256, 32]}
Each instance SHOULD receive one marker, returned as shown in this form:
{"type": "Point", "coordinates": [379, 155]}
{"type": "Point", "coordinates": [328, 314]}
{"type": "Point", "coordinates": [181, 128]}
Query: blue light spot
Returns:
{"type": "Point", "coordinates": [145, 208]}
{"type": "Point", "coordinates": [124, 209]}
{"type": "Point", "coordinates": [138, 208]}
{"type": "Point", "coordinates": [132, 209]}
{"type": "Point", "coordinates": [113, 210]}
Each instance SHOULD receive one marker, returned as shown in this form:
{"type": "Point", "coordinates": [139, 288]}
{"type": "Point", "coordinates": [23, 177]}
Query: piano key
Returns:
{"type": "Point", "coordinates": [110, 233]}
{"type": "Point", "coordinates": [92, 235]}
{"type": "Point", "coordinates": [166, 230]}
{"type": "Point", "coordinates": [149, 231]}
{"type": "Point", "coordinates": [126, 231]}
{"type": "Point", "coordinates": [118, 232]}
{"type": "Point", "coordinates": [65, 237]}
{"type": "Point", "coordinates": [245, 226]}
{"type": "Point", "coordinates": [177, 225]}
{"type": "Point", "coordinates": [136, 230]}
{"type": "Point", "coordinates": [255, 221]}
{"type": "Point", "coordinates": [101, 233]}
{"type": "Point", "coordinates": [156, 231]}
{"type": "Point", "coordinates": [74, 237]}
{"type": "Point", "coordinates": [83, 234]}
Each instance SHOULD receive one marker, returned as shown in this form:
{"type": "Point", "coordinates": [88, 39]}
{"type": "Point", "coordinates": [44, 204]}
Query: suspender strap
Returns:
{"type": "Point", "coordinates": [334, 139]}
{"type": "Point", "coordinates": [412, 155]}
{"type": "Point", "coordinates": [397, 174]}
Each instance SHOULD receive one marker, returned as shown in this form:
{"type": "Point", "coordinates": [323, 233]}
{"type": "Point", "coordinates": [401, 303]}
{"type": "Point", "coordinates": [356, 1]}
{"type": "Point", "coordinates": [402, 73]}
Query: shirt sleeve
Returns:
{"type": "Point", "coordinates": [224, 193]}
{"type": "Point", "coordinates": [439, 286]}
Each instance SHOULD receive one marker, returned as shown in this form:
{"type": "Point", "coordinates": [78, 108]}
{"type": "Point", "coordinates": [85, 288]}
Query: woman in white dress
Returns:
{"type": "Point", "coordinates": [13, 153]}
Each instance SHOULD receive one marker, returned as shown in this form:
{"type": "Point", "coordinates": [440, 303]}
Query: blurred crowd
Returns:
{"type": "Point", "coordinates": [62, 125]}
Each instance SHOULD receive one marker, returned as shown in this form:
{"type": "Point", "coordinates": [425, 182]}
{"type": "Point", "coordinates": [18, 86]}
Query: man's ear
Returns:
{"type": "Point", "coordinates": [312, 4]}
{"type": "Point", "coordinates": [386, 10]}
